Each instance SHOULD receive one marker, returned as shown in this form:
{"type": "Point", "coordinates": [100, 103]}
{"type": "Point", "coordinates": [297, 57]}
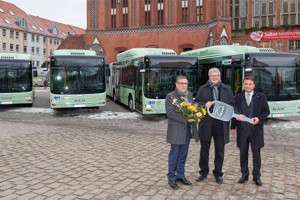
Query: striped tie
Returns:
{"type": "Point", "coordinates": [248, 99]}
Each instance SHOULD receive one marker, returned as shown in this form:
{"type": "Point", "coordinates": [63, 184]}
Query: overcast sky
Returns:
{"type": "Point", "coordinates": [71, 12]}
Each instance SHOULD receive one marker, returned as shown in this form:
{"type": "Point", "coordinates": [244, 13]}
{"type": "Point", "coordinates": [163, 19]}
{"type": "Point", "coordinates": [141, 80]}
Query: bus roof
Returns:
{"type": "Point", "coordinates": [15, 56]}
{"type": "Point", "coordinates": [140, 52]}
{"type": "Point", "coordinates": [220, 51]}
{"type": "Point", "coordinates": [74, 52]}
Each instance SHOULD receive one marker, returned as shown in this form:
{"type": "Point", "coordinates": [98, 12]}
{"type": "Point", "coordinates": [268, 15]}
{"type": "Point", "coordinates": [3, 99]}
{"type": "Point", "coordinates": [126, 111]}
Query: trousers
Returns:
{"type": "Point", "coordinates": [177, 158]}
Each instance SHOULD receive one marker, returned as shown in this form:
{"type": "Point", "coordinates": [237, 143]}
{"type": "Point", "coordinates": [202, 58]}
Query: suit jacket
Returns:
{"type": "Point", "coordinates": [204, 95]}
{"type": "Point", "coordinates": [259, 108]}
{"type": "Point", "coordinates": [177, 123]}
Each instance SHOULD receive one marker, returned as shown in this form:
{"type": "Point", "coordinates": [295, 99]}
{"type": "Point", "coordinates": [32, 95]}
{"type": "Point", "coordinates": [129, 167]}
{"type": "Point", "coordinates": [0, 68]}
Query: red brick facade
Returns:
{"type": "Point", "coordinates": [242, 36]}
{"type": "Point", "coordinates": [171, 30]}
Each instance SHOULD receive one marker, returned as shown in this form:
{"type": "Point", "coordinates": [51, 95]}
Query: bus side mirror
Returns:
{"type": "Point", "coordinates": [142, 67]}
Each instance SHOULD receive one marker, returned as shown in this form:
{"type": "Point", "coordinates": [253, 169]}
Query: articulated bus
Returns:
{"type": "Point", "coordinates": [16, 79]}
{"type": "Point", "coordinates": [142, 77]}
{"type": "Point", "coordinates": [277, 74]}
{"type": "Point", "coordinates": [77, 79]}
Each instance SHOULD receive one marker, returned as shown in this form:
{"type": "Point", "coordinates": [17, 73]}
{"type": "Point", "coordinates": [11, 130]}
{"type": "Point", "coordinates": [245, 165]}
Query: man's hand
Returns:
{"type": "Point", "coordinates": [208, 104]}
{"type": "Point", "coordinates": [255, 121]}
{"type": "Point", "coordinates": [191, 120]}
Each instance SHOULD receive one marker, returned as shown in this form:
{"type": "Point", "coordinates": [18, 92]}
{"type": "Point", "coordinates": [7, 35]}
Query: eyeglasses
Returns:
{"type": "Point", "coordinates": [214, 75]}
{"type": "Point", "coordinates": [180, 83]}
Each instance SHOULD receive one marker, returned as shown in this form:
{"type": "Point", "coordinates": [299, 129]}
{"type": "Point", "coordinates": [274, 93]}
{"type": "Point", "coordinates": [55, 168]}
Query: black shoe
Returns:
{"type": "Point", "coordinates": [184, 181]}
{"type": "Point", "coordinates": [201, 177]}
{"type": "Point", "coordinates": [219, 180]}
{"type": "Point", "coordinates": [257, 181]}
{"type": "Point", "coordinates": [173, 184]}
{"type": "Point", "coordinates": [243, 179]}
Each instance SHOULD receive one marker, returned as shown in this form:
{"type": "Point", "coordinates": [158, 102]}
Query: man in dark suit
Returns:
{"type": "Point", "coordinates": [254, 105]}
{"type": "Point", "coordinates": [210, 128]}
{"type": "Point", "coordinates": [179, 133]}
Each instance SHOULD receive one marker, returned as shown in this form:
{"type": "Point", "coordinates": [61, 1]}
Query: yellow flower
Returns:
{"type": "Point", "coordinates": [192, 108]}
{"type": "Point", "coordinates": [183, 104]}
{"type": "Point", "coordinates": [192, 112]}
{"type": "Point", "coordinates": [203, 111]}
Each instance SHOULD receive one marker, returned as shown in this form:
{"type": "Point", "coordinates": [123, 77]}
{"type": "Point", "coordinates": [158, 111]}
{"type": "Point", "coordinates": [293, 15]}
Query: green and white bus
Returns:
{"type": "Point", "coordinates": [142, 77]}
{"type": "Point", "coordinates": [16, 79]}
{"type": "Point", "coordinates": [277, 74]}
{"type": "Point", "coordinates": [77, 79]}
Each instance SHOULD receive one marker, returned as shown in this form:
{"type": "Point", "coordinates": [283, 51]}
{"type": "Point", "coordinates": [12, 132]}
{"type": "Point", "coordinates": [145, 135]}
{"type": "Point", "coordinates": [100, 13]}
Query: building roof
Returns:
{"type": "Point", "coordinates": [10, 13]}
{"type": "Point", "coordinates": [82, 41]}
{"type": "Point", "coordinates": [12, 16]}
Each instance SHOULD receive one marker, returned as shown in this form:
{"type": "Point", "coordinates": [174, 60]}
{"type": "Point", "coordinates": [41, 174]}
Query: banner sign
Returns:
{"type": "Point", "coordinates": [293, 34]}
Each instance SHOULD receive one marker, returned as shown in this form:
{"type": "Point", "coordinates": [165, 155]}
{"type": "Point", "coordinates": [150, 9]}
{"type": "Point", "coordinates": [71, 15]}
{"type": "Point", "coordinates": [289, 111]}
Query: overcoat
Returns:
{"type": "Point", "coordinates": [204, 95]}
{"type": "Point", "coordinates": [177, 123]}
{"type": "Point", "coordinates": [259, 108]}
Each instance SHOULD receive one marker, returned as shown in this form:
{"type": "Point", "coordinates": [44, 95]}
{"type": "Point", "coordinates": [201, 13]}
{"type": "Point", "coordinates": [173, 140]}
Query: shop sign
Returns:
{"type": "Point", "coordinates": [293, 34]}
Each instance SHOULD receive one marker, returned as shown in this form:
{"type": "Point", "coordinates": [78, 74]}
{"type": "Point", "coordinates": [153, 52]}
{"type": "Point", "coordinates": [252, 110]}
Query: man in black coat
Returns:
{"type": "Point", "coordinates": [210, 128]}
{"type": "Point", "coordinates": [254, 105]}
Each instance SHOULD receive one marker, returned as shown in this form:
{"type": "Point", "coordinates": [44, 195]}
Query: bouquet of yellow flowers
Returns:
{"type": "Point", "coordinates": [189, 111]}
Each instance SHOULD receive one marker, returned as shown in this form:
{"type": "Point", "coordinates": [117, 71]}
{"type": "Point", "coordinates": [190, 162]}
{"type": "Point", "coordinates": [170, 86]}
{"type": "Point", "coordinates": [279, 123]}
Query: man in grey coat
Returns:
{"type": "Point", "coordinates": [179, 133]}
{"type": "Point", "coordinates": [210, 128]}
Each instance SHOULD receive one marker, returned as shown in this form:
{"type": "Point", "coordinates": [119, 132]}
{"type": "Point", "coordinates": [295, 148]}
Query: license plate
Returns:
{"type": "Point", "coordinates": [7, 102]}
{"type": "Point", "coordinates": [278, 115]}
{"type": "Point", "coordinates": [79, 105]}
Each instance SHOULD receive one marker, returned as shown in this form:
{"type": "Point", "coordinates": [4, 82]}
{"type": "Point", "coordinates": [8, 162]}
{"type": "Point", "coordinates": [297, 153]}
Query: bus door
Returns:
{"type": "Point", "coordinates": [138, 91]}
{"type": "Point", "coordinates": [116, 83]}
{"type": "Point", "coordinates": [232, 75]}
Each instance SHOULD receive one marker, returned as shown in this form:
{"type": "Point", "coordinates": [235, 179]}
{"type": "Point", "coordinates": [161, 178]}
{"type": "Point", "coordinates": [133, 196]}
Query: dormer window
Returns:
{"type": "Point", "coordinates": [52, 29]}
{"type": "Point", "coordinates": [1, 10]}
{"type": "Point", "coordinates": [11, 12]}
{"type": "Point", "coordinates": [6, 20]}
{"type": "Point", "coordinates": [21, 22]}
{"type": "Point", "coordinates": [71, 32]}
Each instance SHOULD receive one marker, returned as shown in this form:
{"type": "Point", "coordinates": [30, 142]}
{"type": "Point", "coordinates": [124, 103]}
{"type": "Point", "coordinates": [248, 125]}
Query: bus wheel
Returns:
{"type": "Point", "coordinates": [130, 104]}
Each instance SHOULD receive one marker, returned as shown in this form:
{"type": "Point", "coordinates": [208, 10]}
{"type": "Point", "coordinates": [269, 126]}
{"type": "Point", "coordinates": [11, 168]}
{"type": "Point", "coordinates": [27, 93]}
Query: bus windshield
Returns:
{"type": "Point", "coordinates": [278, 83]}
{"type": "Point", "coordinates": [277, 76]}
{"type": "Point", "coordinates": [161, 75]}
{"type": "Point", "coordinates": [15, 76]}
{"type": "Point", "coordinates": [80, 75]}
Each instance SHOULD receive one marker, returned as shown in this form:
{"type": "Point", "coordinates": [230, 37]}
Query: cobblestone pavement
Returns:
{"type": "Point", "coordinates": [64, 156]}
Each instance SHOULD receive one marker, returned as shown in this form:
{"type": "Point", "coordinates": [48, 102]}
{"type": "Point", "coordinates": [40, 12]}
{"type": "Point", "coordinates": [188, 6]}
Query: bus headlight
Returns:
{"type": "Point", "coordinates": [102, 101]}
{"type": "Point", "coordinates": [148, 107]}
{"type": "Point", "coordinates": [54, 101]}
{"type": "Point", "coordinates": [28, 99]}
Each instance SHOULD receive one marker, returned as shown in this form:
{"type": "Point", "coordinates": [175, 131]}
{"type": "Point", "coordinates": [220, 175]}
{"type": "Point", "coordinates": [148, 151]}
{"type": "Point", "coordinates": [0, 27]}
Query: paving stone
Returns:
{"type": "Point", "coordinates": [65, 156]}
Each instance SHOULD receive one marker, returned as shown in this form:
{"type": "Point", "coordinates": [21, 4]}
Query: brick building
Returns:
{"type": "Point", "coordinates": [176, 24]}
{"type": "Point", "coordinates": [267, 23]}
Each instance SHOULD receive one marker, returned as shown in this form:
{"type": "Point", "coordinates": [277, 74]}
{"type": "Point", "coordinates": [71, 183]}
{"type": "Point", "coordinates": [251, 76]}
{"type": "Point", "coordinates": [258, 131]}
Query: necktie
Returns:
{"type": "Point", "coordinates": [248, 99]}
